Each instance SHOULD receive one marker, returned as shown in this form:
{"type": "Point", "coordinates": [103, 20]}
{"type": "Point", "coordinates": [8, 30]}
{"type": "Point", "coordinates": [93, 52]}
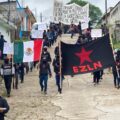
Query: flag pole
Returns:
{"type": "Point", "coordinates": [13, 69]}
{"type": "Point", "coordinates": [60, 60]}
{"type": "Point", "coordinates": [40, 55]}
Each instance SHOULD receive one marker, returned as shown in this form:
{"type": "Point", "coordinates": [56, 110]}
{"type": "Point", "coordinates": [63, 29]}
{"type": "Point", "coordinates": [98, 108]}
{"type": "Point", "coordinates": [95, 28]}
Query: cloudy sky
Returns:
{"type": "Point", "coordinates": [45, 6]}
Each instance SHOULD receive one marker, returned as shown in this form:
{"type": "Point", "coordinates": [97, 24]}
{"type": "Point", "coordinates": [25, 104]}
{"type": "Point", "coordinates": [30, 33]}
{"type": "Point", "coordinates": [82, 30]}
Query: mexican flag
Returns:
{"type": "Point", "coordinates": [27, 51]}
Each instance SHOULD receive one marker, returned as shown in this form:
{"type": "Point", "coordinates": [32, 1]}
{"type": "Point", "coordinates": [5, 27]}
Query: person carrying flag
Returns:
{"type": "Point", "coordinates": [56, 65]}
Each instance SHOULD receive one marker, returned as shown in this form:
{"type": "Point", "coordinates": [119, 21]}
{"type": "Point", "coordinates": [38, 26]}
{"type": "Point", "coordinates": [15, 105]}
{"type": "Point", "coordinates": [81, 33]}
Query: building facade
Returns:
{"type": "Point", "coordinates": [6, 28]}
{"type": "Point", "coordinates": [113, 21]}
{"type": "Point", "coordinates": [23, 18]}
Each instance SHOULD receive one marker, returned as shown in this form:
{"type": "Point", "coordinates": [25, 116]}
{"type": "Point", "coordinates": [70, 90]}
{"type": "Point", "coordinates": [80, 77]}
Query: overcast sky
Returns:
{"type": "Point", "coordinates": [45, 6]}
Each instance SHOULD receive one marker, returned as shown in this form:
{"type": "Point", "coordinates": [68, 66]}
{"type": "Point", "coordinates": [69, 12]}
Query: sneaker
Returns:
{"type": "Point", "coordinates": [60, 91]}
{"type": "Point", "coordinates": [22, 82]}
{"type": "Point", "coordinates": [8, 95]}
{"type": "Point", "coordinates": [94, 84]}
{"type": "Point", "coordinates": [45, 92]}
{"type": "Point", "coordinates": [41, 89]}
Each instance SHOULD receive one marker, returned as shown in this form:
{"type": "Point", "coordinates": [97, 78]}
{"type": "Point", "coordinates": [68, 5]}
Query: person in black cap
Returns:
{"type": "Point", "coordinates": [4, 107]}
{"type": "Point", "coordinates": [56, 65]}
{"type": "Point", "coordinates": [43, 74]}
{"type": "Point", "coordinates": [7, 73]}
{"type": "Point", "coordinates": [46, 55]}
{"type": "Point", "coordinates": [22, 72]}
{"type": "Point", "coordinates": [2, 41]}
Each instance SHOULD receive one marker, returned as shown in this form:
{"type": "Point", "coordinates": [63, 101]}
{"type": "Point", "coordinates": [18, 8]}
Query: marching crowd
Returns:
{"type": "Point", "coordinates": [17, 71]}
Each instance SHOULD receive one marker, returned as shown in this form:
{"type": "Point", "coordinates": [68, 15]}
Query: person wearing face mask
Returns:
{"type": "Point", "coordinates": [4, 107]}
{"type": "Point", "coordinates": [7, 73]}
{"type": "Point", "coordinates": [56, 65]}
{"type": "Point", "coordinates": [43, 74]}
{"type": "Point", "coordinates": [46, 54]}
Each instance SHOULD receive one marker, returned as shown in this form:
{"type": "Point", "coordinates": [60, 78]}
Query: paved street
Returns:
{"type": "Point", "coordinates": [81, 100]}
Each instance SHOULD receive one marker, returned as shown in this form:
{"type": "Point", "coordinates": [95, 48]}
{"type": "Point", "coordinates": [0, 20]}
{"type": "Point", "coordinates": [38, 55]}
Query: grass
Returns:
{"type": "Point", "coordinates": [117, 45]}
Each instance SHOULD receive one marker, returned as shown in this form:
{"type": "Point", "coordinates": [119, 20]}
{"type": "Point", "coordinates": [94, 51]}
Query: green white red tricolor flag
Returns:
{"type": "Point", "coordinates": [28, 51]}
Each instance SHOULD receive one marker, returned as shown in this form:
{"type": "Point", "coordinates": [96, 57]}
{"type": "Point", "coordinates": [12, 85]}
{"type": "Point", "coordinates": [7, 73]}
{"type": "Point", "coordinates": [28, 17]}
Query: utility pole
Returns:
{"type": "Point", "coordinates": [41, 17]}
{"type": "Point", "coordinates": [23, 4]}
{"type": "Point", "coordinates": [36, 13]}
{"type": "Point", "coordinates": [8, 11]}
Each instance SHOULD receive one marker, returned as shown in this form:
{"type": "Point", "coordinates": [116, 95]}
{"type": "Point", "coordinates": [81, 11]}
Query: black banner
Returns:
{"type": "Point", "coordinates": [88, 57]}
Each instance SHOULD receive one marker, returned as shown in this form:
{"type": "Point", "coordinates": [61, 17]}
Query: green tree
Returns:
{"type": "Point", "coordinates": [95, 12]}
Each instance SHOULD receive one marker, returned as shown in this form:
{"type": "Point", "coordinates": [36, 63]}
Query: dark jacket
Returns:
{"type": "Point", "coordinates": [56, 66]}
{"type": "Point", "coordinates": [47, 56]}
{"type": "Point", "coordinates": [2, 41]}
{"type": "Point", "coordinates": [21, 68]}
{"type": "Point", "coordinates": [97, 74]}
{"type": "Point", "coordinates": [3, 104]}
{"type": "Point", "coordinates": [45, 68]}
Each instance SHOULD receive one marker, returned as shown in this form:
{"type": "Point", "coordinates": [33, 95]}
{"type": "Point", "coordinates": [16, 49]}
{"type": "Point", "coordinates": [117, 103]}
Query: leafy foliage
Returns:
{"type": "Point", "coordinates": [95, 12]}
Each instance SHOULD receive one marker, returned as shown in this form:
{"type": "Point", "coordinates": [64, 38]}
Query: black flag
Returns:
{"type": "Point", "coordinates": [88, 57]}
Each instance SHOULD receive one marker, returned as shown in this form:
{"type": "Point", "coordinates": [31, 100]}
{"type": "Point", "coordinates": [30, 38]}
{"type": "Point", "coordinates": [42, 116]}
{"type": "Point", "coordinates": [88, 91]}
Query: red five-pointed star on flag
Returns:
{"type": "Point", "coordinates": [84, 55]}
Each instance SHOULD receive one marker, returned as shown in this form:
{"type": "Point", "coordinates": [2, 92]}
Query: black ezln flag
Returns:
{"type": "Point", "coordinates": [86, 58]}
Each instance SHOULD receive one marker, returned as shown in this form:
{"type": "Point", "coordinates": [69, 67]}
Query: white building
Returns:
{"type": "Point", "coordinates": [113, 21]}
{"type": "Point", "coordinates": [6, 28]}
{"type": "Point", "coordinates": [115, 14]}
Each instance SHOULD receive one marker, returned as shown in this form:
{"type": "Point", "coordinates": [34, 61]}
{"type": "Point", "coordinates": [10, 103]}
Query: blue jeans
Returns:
{"type": "Point", "coordinates": [58, 82]}
{"type": "Point", "coordinates": [43, 82]}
